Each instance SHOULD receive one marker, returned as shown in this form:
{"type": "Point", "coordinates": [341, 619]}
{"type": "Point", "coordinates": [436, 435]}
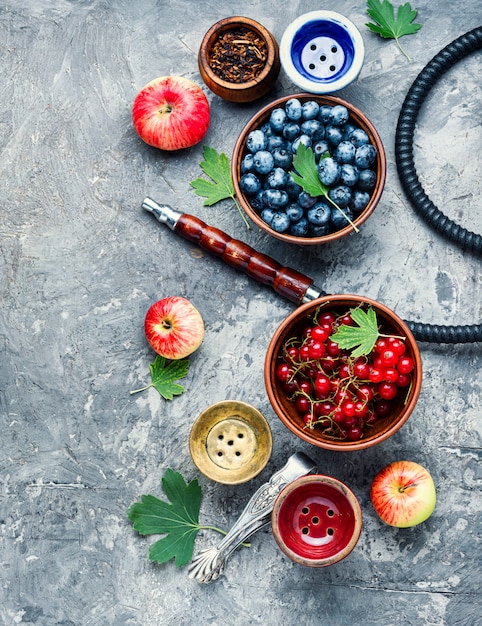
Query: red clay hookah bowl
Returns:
{"type": "Point", "coordinates": [316, 520]}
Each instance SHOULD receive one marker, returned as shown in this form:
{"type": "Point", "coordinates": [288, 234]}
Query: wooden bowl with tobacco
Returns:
{"type": "Point", "coordinates": [239, 59]}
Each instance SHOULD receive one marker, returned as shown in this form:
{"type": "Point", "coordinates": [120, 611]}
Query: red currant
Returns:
{"type": "Point", "coordinates": [391, 374]}
{"type": "Point", "coordinates": [405, 365]}
{"type": "Point", "coordinates": [355, 433]}
{"type": "Point", "coordinates": [387, 390]}
{"type": "Point", "coordinates": [397, 345]}
{"type": "Point", "coordinates": [388, 357]}
{"type": "Point", "coordinates": [284, 372]}
{"type": "Point", "coordinates": [332, 348]}
{"type": "Point", "coordinates": [403, 380]}
{"type": "Point", "coordinates": [320, 333]}
{"type": "Point", "coordinates": [375, 375]}
{"type": "Point", "coordinates": [302, 404]}
{"type": "Point", "coordinates": [316, 350]}
{"type": "Point", "coordinates": [322, 386]}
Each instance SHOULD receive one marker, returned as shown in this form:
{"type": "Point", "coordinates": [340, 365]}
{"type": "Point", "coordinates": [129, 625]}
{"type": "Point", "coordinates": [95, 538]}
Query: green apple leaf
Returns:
{"type": "Point", "coordinates": [220, 187]}
{"type": "Point", "coordinates": [164, 374]}
{"type": "Point", "coordinates": [389, 26]}
{"type": "Point", "coordinates": [363, 336]}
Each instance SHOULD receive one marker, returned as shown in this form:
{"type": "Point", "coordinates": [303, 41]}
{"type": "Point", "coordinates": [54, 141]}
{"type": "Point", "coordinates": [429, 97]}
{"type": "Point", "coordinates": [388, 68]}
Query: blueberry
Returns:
{"type": "Point", "coordinates": [328, 171]}
{"type": "Point", "coordinates": [292, 188]}
{"type": "Point", "coordinates": [333, 134]}
{"type": "Point", "coordinates": [300, 228]}
{"type": "Point", "coordinates": [257, 202]}
{"type": "Point", "coordinates": [348, 174]}
{"type": "Point", "coordinates": [338, 219]}
{"type": "Point", "coordinates": [256, 140]}
{"type": "Point", "coordinates": [347, 131]}
{"type": "Point", "coordinates": [341, 195]}
{"type": "Point", "coordinates": [324, 114]}
{"type": "Point", "coordinates": [304, 139]}
{"type": "Point", "coordinates": [249, 184]}
{"type": "Point", "coordinates": [366, 180]}
{"type": "Point", "coordinates": [310, 110]}
{"type": "Point", "coordinates": [291, 130]}
{"type": "Point", "coordinates": [314, 129]}
{"type": "Point", "coordinates": [358, 137]}
{"type": "Point", "coordinates": [293, 109]}
{"type": "Point", "coordinates": [263, 161]}
{"type": "Point", "coordinates": [365, 156]}
{"type": "Point", "coordinates": [320, 148]}
{"type": "Point", "coordinates": [247, 164]}
{"type": "Point", "coordinates": [267, 215]}
{"type": "Point", "coordinates": [266, 129]}
{"type": "Point", "coordinates": [277, 119]}
{"type": "Point", "coordinates": [276, 198]}
{"type": "Point", "coordinates": [275, 141]}
{"type": "Point", "coordinates": [345, 152]}
{"type": "Point", "coordinates": [280, 222]}
{"type": "Point", "coordinates": [305, 200]}
{"type": "Point", "coordinates": [319, 214]}
{"type": "Point", "coordinates": [318, 231]}
{"type": "Point", "coordinates": [339, 115]}
{"type": "Point", "coordinates": [277, 178]}
{"type": "Point", "coordinates": [294, 212]}
{"type": "Point", "coordinates": [282, 158]}
{"type": "Point", "coordinates": [359, 201]}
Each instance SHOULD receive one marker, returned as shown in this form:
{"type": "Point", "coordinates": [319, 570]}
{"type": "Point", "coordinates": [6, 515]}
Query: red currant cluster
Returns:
{"type": "Point", "coordinates": [342, 395]}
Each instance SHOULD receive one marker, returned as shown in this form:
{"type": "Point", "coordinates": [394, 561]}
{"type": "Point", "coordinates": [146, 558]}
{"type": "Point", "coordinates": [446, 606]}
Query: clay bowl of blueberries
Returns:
{"type": "Point", "coordinates": [343, 372]}
{"type": "Point", "coordinates": [309, 169]}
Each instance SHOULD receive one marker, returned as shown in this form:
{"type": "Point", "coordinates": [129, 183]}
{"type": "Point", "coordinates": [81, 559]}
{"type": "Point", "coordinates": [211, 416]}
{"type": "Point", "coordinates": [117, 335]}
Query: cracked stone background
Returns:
{"type": "Point", "coordinates": [80, 263]}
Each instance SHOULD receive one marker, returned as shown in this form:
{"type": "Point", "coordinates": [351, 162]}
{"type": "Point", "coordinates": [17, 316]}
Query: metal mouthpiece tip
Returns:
{"type": "Point", "coordinates": [163, 212]}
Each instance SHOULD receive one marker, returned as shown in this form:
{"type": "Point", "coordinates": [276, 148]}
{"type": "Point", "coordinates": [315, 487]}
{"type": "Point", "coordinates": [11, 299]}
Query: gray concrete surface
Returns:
{"type": "Point", "coordinates": [80, 264]}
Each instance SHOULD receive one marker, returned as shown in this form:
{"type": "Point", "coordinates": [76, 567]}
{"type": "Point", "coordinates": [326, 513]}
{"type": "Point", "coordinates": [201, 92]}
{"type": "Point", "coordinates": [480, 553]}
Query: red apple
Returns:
{"type": "Point", "coordinates": [171, 113]}
{"type": "Point", "coordinates": [174, 327]}
{"type": "Point", "coordinates": [403, 494]}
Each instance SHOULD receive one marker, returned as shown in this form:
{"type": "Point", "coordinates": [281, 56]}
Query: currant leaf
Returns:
{"type": "Point", "coordinates": [178, 520]}
{"type": "Point", "coordinates": [164, 374]}
{"type": "Point", "coordinates": [305, 174]}
{"type": "Point", "coordinates": [363, 336]}
{"type": "Point", "coordinates": [389, 27]}
{"type": "Point", "coordinates": [220, 187]}
{"type": "Point", "coordinates": [217, 167]}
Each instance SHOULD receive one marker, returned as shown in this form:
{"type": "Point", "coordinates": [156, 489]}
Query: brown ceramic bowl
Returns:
{"type": "Point", "coordinates": [357, 118]}
{"type": "Point", "coordinates": [316, 520]}
{"type": "Point", "coordinates": [222, 76]}
{"type": "Point", "coordinates": [386, 424]}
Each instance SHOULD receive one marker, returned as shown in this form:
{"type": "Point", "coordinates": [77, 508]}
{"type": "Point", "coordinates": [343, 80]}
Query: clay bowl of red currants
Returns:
{"type": "Point", "coordinates": [343, 372]}
{"type": "Point", "coordinates": [309, 169]}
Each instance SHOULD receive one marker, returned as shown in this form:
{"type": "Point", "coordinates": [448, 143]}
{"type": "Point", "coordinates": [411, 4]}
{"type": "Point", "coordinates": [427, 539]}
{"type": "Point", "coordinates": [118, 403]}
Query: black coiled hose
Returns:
{"type": "Point", "coordinates": [471, 242]}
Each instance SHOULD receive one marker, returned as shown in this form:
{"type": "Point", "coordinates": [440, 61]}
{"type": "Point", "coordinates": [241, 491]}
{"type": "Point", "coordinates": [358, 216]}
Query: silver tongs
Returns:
{"type": "Point", "coordinates": [209, 564]}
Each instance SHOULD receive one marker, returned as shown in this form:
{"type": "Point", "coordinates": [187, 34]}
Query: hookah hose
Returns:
{"type": "Point", "coordinates": [468, 241]}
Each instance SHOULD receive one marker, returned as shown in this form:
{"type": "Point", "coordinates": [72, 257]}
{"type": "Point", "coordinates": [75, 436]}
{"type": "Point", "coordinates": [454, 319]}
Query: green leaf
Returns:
{"type": "Point", "coordinates": [387, 26]}
{"type": "Point", "coordinates": [164, 374]}
{"type": "Point", "coordinates": [217, 167]}
{"type": "Point", "coordinates": [306, 175]}
{"type": "Point", "coordinates": [220, 187]}
{"type": "Point", "coordinates": [177, 520]}
{"type": "Point", "coordinates": [363, 335]}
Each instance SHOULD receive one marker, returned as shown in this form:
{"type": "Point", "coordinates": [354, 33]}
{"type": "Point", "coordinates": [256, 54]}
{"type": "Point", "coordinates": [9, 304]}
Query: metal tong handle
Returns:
{"type": "Point", "coordinates": [209, 563]}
